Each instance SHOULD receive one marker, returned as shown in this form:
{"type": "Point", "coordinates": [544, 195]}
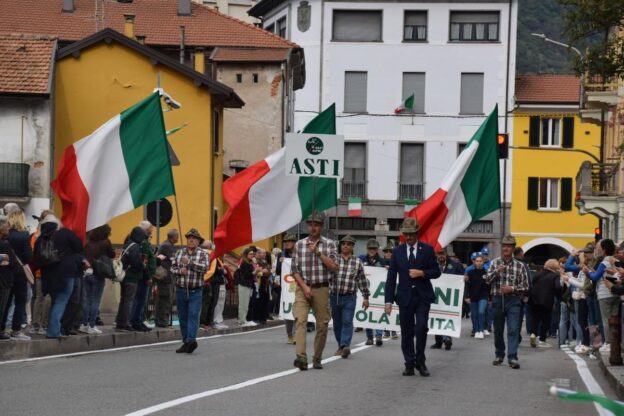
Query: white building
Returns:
{"type": "Point", "coordinates": [456, 57]}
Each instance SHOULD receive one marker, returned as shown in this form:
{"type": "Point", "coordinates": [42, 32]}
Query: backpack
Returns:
{"type": "Point", "coordinates": [121, 264]}
{"type": "Point", "coordinates": [45, 252]}
{"type": "Point", "coordinates": [103, 267]}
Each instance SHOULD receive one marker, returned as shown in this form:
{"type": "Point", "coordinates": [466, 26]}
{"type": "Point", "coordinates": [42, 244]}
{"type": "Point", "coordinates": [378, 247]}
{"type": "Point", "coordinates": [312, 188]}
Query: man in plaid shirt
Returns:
{"type": "Point", "coordinates": [189, 266]}
{"type": "Point", "coordinates": [343, 296]}
{"type": "Point", "coordinates": [313, 266]}
{"type": "Point", "coordinates": [509, 283]}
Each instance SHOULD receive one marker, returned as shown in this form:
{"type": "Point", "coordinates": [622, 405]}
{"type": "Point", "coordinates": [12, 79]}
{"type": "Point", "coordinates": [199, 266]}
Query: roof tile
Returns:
{"type": "Point", "coordinates": [547, 89]}
{"type": "Point", "coordinates": [249, 55]}
{"type": "Point", "coordinates": [25, 63]}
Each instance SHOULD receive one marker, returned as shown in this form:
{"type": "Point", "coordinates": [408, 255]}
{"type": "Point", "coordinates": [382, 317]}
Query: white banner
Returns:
{"type": "Point", "coordinates": [444, 316]}
{"type": "Point", "coordinates": [319, 155]}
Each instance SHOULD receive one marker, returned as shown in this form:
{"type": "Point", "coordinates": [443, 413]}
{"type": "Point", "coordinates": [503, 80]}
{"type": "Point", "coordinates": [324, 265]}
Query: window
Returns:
{"type": "Point", "coordinates": [357, 26]}
{"type": "Point", "coordinates": [461, 147]}
{"type": "Point", "coordinates": [550, 132]}
{"type": "Point", "coordinates": [471, 100]}
{"type": "Point", "coordinates": [270, 28]}
{"type": "Point", "coordinates": [216, 131]}
{"type": "Point", "coordinates": [412, 172]}
{"type": "Point", "coordinates": [239, 78]}
{"type": "Point", "coordinates": [550, 194]}
{"type": "Point", "coordinates": [415, 26]}
{"type": "Point", "coordinates": [280, 28]}
{"type": "Point", "coordinates": [355, 92]}
{"type": "Point", "coordinates": [354, 180]}
{"type": "Point", "coordinates": [414, 83]}
{"type": "Point", "coordinates": [255, 78]}
{"type": "Point", "coordinates": [474, 26]}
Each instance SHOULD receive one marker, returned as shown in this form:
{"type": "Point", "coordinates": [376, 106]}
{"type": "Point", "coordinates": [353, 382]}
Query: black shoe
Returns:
{"type": "Point", "coordinates": [409, 371]}
{"type": "Point", "coordinates": [124, 328]}
{"type": "Point", "coordinates": [346, 351]}
{"type": "Point", "coordinates": [448, 344]}
{"type": "Point", "coordinates": [184, 348]}
{"type": "Point", "coordinates": [497, 361]}
{"type": "Point", "coordinates": [192, 346]}
{"type": "Point", "coordinates": [145, 327]}
{"type": "Point", "coordinates": [422, 369]}
{"type": "Point", "coordinates": [99, 321]}
{"type": "Point", "coordinates": [436, 346]}
{"type": "Point", "coordinates": [138, 327]}
{"type": "Point", "coordinates": [358, 330]}
{"type": "Point", "coordinates": [301, 363]}
{"type": "Point", "coordinates": [514, 364]}
{"type": "Point", "coordinates": [378, 341]}
{"type": "Point", "coordinates": [369, 341]}
{"type": "Point", "coordinates": [317, 365]}
{"type": "Point", "coordinates": [162, 326]}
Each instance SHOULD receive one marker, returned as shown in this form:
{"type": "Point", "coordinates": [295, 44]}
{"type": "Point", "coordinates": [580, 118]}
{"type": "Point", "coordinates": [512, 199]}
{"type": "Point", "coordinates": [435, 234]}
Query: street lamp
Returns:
{"type": "Point", "coordinates": [565, 45]}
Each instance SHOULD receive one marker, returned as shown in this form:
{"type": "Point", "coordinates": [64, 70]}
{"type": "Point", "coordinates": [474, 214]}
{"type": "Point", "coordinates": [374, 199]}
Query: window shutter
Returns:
{"type": "Point", "coordinates": [414, 83]}
{"type": "Point", "coordinates": [568, 132]}
{"type": "Point", "coordinates": [357, 25]}
{"type": "Point", "coordinates": [534, 132]}
{"type": "Point", "coordinates": [533, 193]}
{"type": "Point", "coordinates": [471, 99]}
{"type": "Point", "coordinates": [566, 194]}
{"type": "Point", "coordinates": [355, 92]}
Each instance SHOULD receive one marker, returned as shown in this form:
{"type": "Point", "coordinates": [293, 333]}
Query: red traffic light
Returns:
{"type": "Point", "coordinates": [502, 140]}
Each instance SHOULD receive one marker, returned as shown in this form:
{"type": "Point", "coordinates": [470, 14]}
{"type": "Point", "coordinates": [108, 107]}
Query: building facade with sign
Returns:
{"type": "Point", "coordinates": [456, 58]}
{"type": "Point", "coordinates": [551, 141]}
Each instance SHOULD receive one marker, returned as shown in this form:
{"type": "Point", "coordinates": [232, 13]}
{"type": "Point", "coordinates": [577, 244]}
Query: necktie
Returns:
{"type": "Point", "coordinates": [412, 258]}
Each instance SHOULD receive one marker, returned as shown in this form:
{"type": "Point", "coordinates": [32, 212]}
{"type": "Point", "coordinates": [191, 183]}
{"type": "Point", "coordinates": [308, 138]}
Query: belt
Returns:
{"type": "Point", "coordinates": [189, 288]}
{"type": "Point", "coordinates": [343, 294]}
{"type": "Point", "coordinates": [318, 285]}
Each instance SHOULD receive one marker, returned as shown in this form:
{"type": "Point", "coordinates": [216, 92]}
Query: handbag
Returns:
{"type": "Point", "coordinates": [30, 277]}
{"type": "Point", "coordinates": [161, 273]}
{"type": "Point", "coordinates": [103, 267]}
{"type": "Point", "coordinates": [118, 266]}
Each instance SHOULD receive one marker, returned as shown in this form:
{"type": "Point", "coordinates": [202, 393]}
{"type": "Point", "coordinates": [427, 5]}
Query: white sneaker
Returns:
{"type": "Point", "coordinates": [543, 344]}
{"type": "Point", "coordinates": [41, 331]}
{"type": "Point", "coordinates": [149, 325]}
{"type": "Point", "coordinates": [479, 335]}
{"type": "Point", "coordinates": [581, 349]}
{"type": "Point", "coordinates": [19, 336]}
{"type": "Point", "coordinates": [93, 331]}
{"type": "Point", "coordinates": [605, 348]}
{"type": "Point", "coordinates": [84, 329]}
{"type": "Point", "coordinates": [253, 323]}
{"type": "Point", "coordinates": [248, 324]}
{"type": "Point", "coordinates": [572, 345]}
{"type": "Point", "coordinates": [220, 326]}
{"type": "Point", "coordinates": [486, 332]}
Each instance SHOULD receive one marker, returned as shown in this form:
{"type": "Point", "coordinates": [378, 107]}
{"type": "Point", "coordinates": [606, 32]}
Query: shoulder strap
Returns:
{"type": "Point", "coordinates": [127, 249]}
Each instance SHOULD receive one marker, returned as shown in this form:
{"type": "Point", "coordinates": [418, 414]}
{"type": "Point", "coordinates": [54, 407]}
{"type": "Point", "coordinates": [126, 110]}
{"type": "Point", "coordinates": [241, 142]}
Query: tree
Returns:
{"type": "Point", "coordinates": [598, 25]}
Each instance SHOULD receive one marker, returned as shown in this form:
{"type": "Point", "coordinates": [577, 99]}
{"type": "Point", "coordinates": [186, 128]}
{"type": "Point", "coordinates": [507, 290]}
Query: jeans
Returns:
{"type": "Point", "coordinates": [477, 313]}
{"type": "Point", "coordinates": [506, 309]}
{"type": "Point", "coordinates": [189, 303]}
{"type": "Point", "coordinates": [73, 309]}
{"type": "Point", "coordinates": [59, 301]}
{"type": "Point", "coordinates": [220, 304]}
{"type": "Point", "coordinates": [128, 292]}
{"type": "Point", "coordinates": [343, 310]}
{"type": "Point", "coordinates": [565, 328]}
{"type": "Point", "coordinates": [593, 313]}
{"type": "Point", "coordinates": [244, 295]}
{"type": "Point", "coordinates": [93, 287]}
{"type": "Point", "coordinates": [140, 302]}
{"type": "Point", "coordinates": [369, 333]}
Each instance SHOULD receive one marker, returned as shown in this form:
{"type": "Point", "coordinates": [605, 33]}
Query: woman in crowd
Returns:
{"type": "Point", "coordinates": [581, 285]}
{"type": "Point", "coordinates": [98, 249]}
{"type": "Point", "coordinates": [547, 284]}
{"type": "Point", "coordinates": [8, 264]}
{"type": "Point", "coordinates": [246, 280]}
{"type": "Point", "coordinates": [263, 273]}
{"type": "Point", "coordinates": [41, 305]}
{"type": "Point", "coordinates": [478, 294]}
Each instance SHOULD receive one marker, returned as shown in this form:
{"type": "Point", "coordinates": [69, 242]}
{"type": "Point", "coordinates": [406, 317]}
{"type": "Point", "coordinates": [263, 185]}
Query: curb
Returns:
{"type": "Point", "coordinates": [614, 374]}
{"type": "Point", "coordinates": [18, 350]}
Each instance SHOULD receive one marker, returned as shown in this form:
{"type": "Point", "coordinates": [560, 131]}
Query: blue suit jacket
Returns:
{"type": "Point", "coordinates": [400, 265]}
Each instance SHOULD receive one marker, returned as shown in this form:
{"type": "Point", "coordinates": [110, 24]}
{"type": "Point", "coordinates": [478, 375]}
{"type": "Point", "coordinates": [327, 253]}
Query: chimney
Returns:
{"type": "Point", "coordinates": [200, 60]}
{"type": "Point", "coordinates": [68, 6]}
{"type": "Point", "coordinates": [140, 39]}
{"type": "Point", "coordinates": [184, 7]}
{"type": "Point", "coordinates": [129, 25]}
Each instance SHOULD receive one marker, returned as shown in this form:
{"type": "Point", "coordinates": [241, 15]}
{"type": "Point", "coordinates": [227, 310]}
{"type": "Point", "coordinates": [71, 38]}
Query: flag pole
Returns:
{"type": "Point", "coordinates": [177, 207]}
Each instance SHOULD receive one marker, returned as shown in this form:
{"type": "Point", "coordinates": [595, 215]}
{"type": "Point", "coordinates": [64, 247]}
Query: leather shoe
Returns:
{"type": "Point", "coordinates": [436, 346]}
{"type": "Point", "coordinates": [422, 369]}
{"type": "Point", "coordinates": [301, 363]}
{"type": "Point", "coordinates": [317, 365]}
{"type": "Point", "coordinates": [192, 346]}
{"type": "Point", "coordinates": [448, 344]}
{"type": "Point", "coordinates": [409, 370]}
{"type": "Point", "coordinates": [184, 348]}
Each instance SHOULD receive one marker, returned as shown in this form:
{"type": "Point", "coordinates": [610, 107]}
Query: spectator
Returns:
{"type": "Point", "coordinates": [164, 299]}
{"type": "Point", "coordinates": [189, 266]}
{"type": "Point", "coordinates": [41, 305]}
{"type": "Point", "coordinates": [582, 287]}
{"type": "Point", "coordinates": [478, 294]}
{"type": "Point", "coordinates": [275, 283]}
{"type": "Point", "coordinates": [448, 266]}
{"type": "Point", "coordinates": [98, 249]}
{"type": "Point", "coordinates": [373, 259]}
{"type": "Point", "coordinates": [246, 282]}
{"type": "Point", "coordinates": [289, 244]}
{"type": "Point", "coordinates": [135, 263]}
{"type": "Point", "coordinates": [263, 274]}
{"type": "Point", "coordinates": [58, 277]}
{"type": "Point", "coordinates": [207, 310]}
{"type": "Point", "coordinates": [218, 294]}
{"type": "Point", "coordinates": [546, 287]}
{"type": "Point", "coordinates": [144, 282]}
{"type": "Point", "coordinates": [8, 264]}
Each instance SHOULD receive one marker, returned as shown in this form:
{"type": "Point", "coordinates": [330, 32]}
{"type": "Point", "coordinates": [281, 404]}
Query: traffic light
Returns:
{"type": "Point", "coordinates": [597, 234]}
{"type": "Point", "coordinates": [503, 145]}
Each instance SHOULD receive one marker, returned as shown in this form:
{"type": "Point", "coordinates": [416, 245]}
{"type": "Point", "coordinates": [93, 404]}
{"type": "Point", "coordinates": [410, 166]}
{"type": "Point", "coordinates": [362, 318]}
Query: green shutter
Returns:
{"type": "Point", "coordinates": [566, 194]}
{"type": "Point", "coordinates": [534, 132]}
{"type": "Point", "coordinates": [533, 193]}
{"type": "Point", "coordinates": [568, 133]}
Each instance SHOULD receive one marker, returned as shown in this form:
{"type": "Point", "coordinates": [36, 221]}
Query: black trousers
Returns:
{"type": "Point", "coordinates": [276, 299]}
{"type": "Point", "coordinates": [207, 311]}
{"type": "Point", "coordinates": [261, 308]}
{"type": "Point", "coordinates": [18, 294]}
{"type": "Point", "coordinates": [582, 313]}
{"type": "Point", "coordinates": [414, 319]}
{"type": "Point", "coordinates": [540, 316]}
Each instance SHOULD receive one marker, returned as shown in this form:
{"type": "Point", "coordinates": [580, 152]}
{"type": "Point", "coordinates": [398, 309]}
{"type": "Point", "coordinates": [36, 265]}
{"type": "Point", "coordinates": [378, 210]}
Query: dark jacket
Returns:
{"type": "Point", "coordinates": [133, 259]}
{"type": "Point", "coordinates": [20, 242]}
{"type": "Point", "coordinates": [376, 261]}
{"type": "Point", "coordinates": [451, 267]}
{"type": "Point", "coordinates": [546, 287]}
{"type": "Point", "coordinates": [247, 277]}
{"type": "Point", "coordinates": [7, 273]}
{"type": "Point", "coordinates": [71, 251]}
{"type": "Point", "coordinates": [287, 254]}
{"type": "Point", "coordinates": [408, 287]}
{"type": "Point", "coordinates": [477, 287]}
{"type": "Point", "coordinates": [98, 249]}
{"type": "Point", "coordinates": [168, 250]}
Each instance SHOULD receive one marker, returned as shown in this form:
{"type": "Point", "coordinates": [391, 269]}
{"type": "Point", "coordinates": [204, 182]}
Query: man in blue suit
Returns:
{"type": "Point", "coordinates": [415, 264]}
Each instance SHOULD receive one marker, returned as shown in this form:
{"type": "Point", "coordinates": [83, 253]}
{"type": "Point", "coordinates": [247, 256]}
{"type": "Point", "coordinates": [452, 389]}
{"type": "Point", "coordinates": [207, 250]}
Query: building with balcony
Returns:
{"type": "Point", "coordinates": [550, 141]}
{"type": "Point", "coordinates": [457, 58]}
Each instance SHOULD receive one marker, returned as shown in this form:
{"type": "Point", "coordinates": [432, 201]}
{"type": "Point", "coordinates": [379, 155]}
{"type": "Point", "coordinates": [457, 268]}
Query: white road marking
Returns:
{"type": "Point", "coordinates": [131, 347]}
{"type": "Point", "coordinates": [186, 399]}
{"type": "Point", "coordinates": [590, 382]}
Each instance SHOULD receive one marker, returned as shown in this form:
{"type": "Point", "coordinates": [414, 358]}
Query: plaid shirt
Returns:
{"type": "Point", "coordinates": [350, 275]}
{"type": "Point", "coordinates": [309, 265]}
{"type": "Point", "coordinates": [514, 275]}
{"type": "Point", "coordinates": [199, 263]}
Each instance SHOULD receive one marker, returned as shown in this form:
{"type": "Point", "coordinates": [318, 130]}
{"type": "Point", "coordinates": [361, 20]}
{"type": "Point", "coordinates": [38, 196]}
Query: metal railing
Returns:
{"type": "Point", "coordinates": [14, 179]}
{"type": "Point", "coordinates": [411, 191]}
{"type": "Point", "coordinates": [353, 189]}
{"type": "Point", "coordinates": [598, 179]}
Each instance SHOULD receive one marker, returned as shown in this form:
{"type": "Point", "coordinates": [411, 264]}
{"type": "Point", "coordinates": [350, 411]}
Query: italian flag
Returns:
{"type": "Point", "coordinates": [263, 201]}
{"type": "Point", "coordinates": [615, 407]}
{"type": "Point", "coordinates": [408, 104]}
{"type": "Point", "coordinates": [354, 209]}
{"type": "Point", "coordinates": [470, 190]}
{"type": "Point", "coordinates": [410, 204]}
{"type": "Point", "coordinates": [117, 168]}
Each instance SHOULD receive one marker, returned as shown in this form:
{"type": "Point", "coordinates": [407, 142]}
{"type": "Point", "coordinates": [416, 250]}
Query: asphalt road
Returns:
{"type": "Point", "coordinates": [251, 374]}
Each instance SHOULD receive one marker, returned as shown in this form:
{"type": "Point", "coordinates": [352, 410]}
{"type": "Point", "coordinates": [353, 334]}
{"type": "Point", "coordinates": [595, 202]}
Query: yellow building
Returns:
{"type": "Point", "coordinates": [550, 142]}
{"type": "Point", "coordinates": [106, 73]}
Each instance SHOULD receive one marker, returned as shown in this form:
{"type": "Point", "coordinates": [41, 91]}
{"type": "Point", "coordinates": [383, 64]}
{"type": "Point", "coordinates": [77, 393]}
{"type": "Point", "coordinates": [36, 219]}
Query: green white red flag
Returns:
{"type": "Point", "coordinates": [354, 209]}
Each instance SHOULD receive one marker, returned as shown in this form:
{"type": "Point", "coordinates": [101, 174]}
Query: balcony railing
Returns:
{"type": "Point", "coordinates": [596, 83]}
{"type": "Point", "coordinates": [597, 179]}
{"type": "Point", "coordinates": [14, 180]}
{"type": "Point", "coordinates": [411, 191]}
{"type": "Point", "coordinates": [353, 189]}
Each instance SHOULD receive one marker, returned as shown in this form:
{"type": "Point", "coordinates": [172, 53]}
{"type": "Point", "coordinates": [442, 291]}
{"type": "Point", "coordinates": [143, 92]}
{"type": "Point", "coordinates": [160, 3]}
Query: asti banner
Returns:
{"type": "Point", "coordinates": [444, 316]}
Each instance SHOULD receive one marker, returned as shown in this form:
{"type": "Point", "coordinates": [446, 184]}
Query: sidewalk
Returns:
{"type": "Point", "coordinates": [39, 346]}
{"type": "Point", "coordinates": [614, 374]}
